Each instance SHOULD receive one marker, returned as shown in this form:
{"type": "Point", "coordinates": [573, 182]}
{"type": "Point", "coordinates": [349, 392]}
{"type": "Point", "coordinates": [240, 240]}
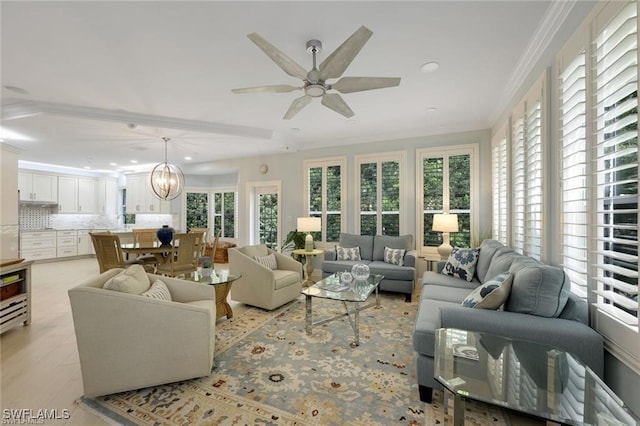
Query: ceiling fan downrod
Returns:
{"type": "Point", "coordinates": [314, 87]}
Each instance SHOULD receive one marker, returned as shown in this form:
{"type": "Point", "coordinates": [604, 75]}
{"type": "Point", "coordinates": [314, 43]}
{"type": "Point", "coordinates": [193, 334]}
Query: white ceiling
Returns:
{"type": "Point", "coordinates": [93, 68]}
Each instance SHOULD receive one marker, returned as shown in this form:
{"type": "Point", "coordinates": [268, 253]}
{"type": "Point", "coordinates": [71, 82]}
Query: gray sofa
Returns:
{"type": "Point", "coordinates": [400, 279]}
{"type": "Point", "coordinates": [540, 308]}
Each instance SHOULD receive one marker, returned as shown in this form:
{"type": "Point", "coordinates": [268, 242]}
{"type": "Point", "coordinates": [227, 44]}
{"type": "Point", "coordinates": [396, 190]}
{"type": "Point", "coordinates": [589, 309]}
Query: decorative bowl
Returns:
{"type": "Point", "coordinates": [360, 271]}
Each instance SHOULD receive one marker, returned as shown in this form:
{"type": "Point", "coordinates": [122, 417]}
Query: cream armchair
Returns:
{"type": "Point", "coordinates": [127, 341]}
{"type": "Point", "coordinates": [261, 286]}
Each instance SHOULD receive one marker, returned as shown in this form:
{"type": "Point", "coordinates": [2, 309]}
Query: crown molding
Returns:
{"type": "Point", "coordinates": [34, 108]}
{"type": "Point", "coordinates": [554, 18]}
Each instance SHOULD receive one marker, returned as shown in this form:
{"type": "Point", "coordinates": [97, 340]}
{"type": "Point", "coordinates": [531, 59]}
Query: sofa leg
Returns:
{"type": "Point", "coordinates": [426, 394]}
{"type": "Point", "coordinates": [407, 298]}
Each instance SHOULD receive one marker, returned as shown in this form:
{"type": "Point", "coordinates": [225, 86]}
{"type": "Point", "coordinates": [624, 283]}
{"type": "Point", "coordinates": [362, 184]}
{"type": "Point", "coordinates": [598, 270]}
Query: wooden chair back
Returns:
{"type": "Point", "coordinates": [108, 251]}
{"type": "Point", "coordinates": [144, 237]}
{"type": "Point", "coordinates": [203, 232]}
{"type": "Point", "coordinates": [185, 259]}
{"type": "Point", "coordinates": [214, 245]}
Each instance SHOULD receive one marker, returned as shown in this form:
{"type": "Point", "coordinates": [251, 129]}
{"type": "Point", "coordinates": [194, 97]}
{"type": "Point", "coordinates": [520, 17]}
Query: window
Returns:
{"type": "Point", "coordinates": [499, 169]}
{"type": "Point", "coordinates": [197, 205]}
{"type": "Point", "coordinates": [598, 100]}
{"type": "Point", "coordinates": [528, 166]}
{"type": "Point", "coordinates": [224, 213]}
{"type": "Point", "coordinates": [324, 198]}
{"type": "Point", "coordinates": [378, 189]}
{"type": "Point", "coordinates": [447, 184]}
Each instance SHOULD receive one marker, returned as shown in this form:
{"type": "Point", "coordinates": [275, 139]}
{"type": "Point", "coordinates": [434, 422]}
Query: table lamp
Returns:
{"type": "Point", "coordinates": [445, 223]}
{"type": "Point", "coordinates": [308, 225]}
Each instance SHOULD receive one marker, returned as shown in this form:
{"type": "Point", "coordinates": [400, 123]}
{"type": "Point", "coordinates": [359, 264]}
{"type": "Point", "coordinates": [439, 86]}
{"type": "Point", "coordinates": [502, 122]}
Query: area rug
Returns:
{"type": "Point", "coordinates": [270, 372]}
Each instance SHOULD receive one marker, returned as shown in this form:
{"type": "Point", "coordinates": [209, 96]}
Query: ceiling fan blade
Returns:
{"type": "Point", "coordinates": [360, 84]}
{"type": "Point", "coordinates": [335, 102]}
{"type": "Point", "coordinates": [287, 64]}
{"type": "Point", "coordinates": [277, 88]}
{"type": "Point", "coordinates": [336, 63]}
{"type": "Point", "coordinates": [296, 106]}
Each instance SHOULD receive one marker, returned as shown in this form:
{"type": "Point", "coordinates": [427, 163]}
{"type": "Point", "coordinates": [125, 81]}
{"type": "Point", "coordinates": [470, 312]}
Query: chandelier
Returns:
{"type": "Point", "coordinates": [166, 179]}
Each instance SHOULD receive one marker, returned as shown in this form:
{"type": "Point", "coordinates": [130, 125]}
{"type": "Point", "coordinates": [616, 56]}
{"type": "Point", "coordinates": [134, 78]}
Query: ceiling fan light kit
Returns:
{"type": "Point", "coordinates": [166, 180]}
{"type": "Point", "coordinates": [315, 81]}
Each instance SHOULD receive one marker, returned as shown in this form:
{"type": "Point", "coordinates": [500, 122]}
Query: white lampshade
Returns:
{"type": "Point", "coordinates": [309, 224]}
{"type": "Point", "coordinates": [445, 223]}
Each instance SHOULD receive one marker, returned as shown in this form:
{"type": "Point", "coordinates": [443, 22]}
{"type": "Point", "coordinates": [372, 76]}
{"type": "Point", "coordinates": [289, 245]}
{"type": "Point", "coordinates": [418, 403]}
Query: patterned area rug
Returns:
{"type": "Point", "coordinates": [269, 372]}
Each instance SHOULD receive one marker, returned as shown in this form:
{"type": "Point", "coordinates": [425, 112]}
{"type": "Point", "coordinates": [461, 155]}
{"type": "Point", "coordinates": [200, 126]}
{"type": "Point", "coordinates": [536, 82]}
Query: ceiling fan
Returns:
{"type": "Point", "coordinates": [315, 81]}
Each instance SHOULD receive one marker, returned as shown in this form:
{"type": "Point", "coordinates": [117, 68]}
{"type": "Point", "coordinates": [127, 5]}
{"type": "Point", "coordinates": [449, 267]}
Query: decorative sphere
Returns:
{"type": "Point", "coordinates": [166, 181]}
{"type": "Point", "coordinates": [360, 271]}
{"type": "Point", "coordinates": [346, 277]}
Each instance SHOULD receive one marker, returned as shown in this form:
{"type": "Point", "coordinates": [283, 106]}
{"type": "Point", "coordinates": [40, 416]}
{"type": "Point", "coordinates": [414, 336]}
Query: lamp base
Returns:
{"type": "Point", "coordinates": [308, 243]}
{"type": "Point", "coordinates": [444, 251]}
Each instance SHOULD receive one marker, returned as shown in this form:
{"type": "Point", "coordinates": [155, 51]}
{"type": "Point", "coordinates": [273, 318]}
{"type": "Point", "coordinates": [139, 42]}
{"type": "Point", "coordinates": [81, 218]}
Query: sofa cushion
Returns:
{"type": "Point", "coordinates": [501, 261]}
{"type": "Point", "coordinates": [283, 278]}
{"type": "Point", "coordinates": [462, 263]}
{"type": "Point", "coordinates": [434, 278]}
{"type": "Point", "coordinates": [133, 280]}
{"type": "Point", "coordinates": [381, 241]}
{"type": "Point", "coordinates": [365, 242]}
{"type": "Point", "coordinates": [490, 295]}
{"type": "Point", "coordinates": [487, 249]}
{"type": "Point", "coordinates": [158, 291]}
{"type": "Point", "coordinates": [444, 293]}
{"type": "Point", "coordinates": [347, 253]}
{"type": "Point", "coordinates": [394, 256]}
{"type": "Point", "coordinates": [269, 261]}
{"type": "Point", "coordinates": [392, 272]}
{"type": "Point", "coordinates": [537, 289]}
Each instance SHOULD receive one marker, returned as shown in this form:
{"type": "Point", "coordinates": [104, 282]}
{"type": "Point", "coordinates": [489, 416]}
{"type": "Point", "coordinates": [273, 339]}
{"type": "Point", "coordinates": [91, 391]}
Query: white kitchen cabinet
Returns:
{"type": "Point", "coordinates": [37, 187]}
{"type": "Point", "coordinates": [76, 195]}
{"type": "Point", "coordinates": [38, 245]}
{"type": "Point", "coordinates": [85, 245]}
{"type": "Point", "coordinates": [107, 196]}
{"type": "Point", "coordinates": [140, 198]}
{"type": "Point", "coordinates": [66, 243]}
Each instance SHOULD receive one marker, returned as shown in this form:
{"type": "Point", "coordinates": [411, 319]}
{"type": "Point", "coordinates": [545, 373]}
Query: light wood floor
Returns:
{"type": "Point", "coordinates": [39, 366]}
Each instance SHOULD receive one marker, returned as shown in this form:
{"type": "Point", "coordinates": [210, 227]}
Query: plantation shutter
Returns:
{"type": "Point", "coordinates": [519, 195]}
{"type": "Point", "coordinates": [499, 188]}
{"type": "Point", "coordinates": [573, 157]}
{"type": "Point", "coordinates": [533, 152]}
{"type": "Point", "coordinates": [616, 162]}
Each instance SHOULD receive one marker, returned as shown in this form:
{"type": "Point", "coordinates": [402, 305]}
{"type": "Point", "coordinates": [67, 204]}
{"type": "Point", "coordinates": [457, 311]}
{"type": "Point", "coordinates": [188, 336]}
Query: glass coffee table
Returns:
{"type": "Point", "coordinates": [355, 294]}
{"type": "Point", "coordinates": [524, 376]}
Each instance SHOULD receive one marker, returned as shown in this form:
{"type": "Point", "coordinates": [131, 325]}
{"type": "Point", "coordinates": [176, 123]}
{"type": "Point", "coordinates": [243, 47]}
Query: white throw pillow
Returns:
{"type": "Point", "coordinates": [269, 261]}
{"type": "Point", "coordinates": [394, 256]}
{"type": "Point", "coordinates": [132, 280]}
{"type": "Point", "coordinates": [347, 253]}
{"type": "Point", "coordinates": [490, 295]}
{"type": "Point", "coordinates": [158, 290]}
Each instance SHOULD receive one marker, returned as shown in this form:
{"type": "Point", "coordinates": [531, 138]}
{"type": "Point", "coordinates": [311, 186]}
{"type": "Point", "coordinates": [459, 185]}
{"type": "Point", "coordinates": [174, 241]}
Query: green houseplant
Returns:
{"type": "Point", "coordinates": [294, 241]}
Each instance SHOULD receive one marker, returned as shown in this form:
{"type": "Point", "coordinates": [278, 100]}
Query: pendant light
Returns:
{"type": "Point", "coordinates": [166, 179]}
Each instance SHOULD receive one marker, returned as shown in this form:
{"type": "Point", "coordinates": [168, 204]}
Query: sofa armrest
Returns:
{"type": "Point", "coordinates": [572, 336]}
{"type": "Point", "coordinates": [410, 258]}
{"type": "Point", "coordinates": [330, 254]}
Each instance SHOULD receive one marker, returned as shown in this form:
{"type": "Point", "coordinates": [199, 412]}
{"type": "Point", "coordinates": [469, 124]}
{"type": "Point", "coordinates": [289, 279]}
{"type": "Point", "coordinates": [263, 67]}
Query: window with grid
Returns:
{"type": "Point", "coordinates": [224, 213]}
{"type": "Point", "coordinates": [447, 184]}
{"type": "Point", "coordinates": [572, 88]}
{"type": "Point", "coordinates": [527, 168]}
{"type": "Point", "coordinates": [615, 57]}
{"type": "Point", "coordinates": [324, 196]}
{"type": "Point", "coordinates": [378, 189]}
{"type": "Point", "coordinates": [500, 196]}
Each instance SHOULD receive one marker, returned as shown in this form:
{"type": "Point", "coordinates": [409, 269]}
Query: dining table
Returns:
{"type": "Point", "coordinates": [162, 252]}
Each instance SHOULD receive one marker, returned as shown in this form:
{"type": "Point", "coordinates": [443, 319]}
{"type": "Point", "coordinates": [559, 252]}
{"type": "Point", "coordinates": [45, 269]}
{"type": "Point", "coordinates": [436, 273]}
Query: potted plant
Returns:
{"type": "Point", "coordinates": [206, 266]}
{"type": "Point", "coordinates": [293, 241]}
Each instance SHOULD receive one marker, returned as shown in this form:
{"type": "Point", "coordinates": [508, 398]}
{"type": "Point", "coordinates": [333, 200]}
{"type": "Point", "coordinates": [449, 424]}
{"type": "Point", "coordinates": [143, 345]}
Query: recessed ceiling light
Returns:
{"type": "Point", "coordinates": [188, 158]}
{"type": "Point", "coordinates": [87, 167]}
{"type": "Point", "coordinates": [134, 161]}
{"type": "Point", "coordinates": [113, 164]}
{"type": "Point", "coordinates": [18, 90]}
{"type": "Point", "coordinates": [429, 67]}
{"type": "Point", "coordinates": [431, 109]}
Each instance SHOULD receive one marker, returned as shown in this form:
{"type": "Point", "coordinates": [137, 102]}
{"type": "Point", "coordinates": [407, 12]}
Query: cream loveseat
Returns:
{"type": "Point", "coordinates": [266, 287]}
{"type": "Point", "coordinates": [128, 341]}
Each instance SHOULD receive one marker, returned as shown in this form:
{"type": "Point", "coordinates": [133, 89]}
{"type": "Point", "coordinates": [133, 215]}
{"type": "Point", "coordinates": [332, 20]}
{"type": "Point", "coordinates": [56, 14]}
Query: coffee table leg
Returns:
{"type": "Point", "coordinates": [356, 327]}
{"type": "Point", "coordinates": [458, 410]}
{"type": "Point", "coordinates": [308, 318]}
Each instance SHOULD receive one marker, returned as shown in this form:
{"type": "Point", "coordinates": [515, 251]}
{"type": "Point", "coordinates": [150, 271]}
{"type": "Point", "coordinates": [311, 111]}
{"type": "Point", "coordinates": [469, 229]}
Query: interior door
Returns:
{"type": "Point", "coordinates": [266, 217]}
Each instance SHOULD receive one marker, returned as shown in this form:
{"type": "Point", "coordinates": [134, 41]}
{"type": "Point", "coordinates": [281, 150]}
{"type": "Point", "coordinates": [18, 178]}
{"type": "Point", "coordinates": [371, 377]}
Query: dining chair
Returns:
{"type": "Point", "coordinates": [204, 232]}
{"type": "Point", "coordinates": [146, 237]}
{"type": "Point", "coordinates": [109, 252]}
{"type": "Point", "coordinates": [214, 245]}
{"type": "Point", "coordinates": [185, 260]}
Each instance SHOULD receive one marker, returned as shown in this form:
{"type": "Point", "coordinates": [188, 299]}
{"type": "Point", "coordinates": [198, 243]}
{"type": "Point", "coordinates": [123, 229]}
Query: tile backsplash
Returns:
{"type": "Point", "coordinates": [32, 217]}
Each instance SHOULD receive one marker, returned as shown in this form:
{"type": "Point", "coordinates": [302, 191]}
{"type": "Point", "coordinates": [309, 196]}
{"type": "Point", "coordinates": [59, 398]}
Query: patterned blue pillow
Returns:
{"type": "Point", "coordinates": [462, 263]}
{"type": "Point", "coordinates": [490, 295]}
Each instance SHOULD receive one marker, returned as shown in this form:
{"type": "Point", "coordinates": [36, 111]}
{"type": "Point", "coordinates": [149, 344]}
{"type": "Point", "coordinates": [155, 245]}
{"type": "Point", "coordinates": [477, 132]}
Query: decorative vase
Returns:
{"type": "Point", "coordinates": [360, 271]}
{"type": "Point", "coordinates": [165, 235]}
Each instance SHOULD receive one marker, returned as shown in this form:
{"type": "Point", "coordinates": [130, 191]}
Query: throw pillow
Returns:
{"type": "Point", "coordinates": [269, 261]}
{"type": "Point", "coordinates": [394, 256]}
{"type": "Point", "coordinates": [159, 291]}
{"type": "Point", "coordinates": [132, 280]}
{"type": "Point", "coordinates": [462, 263]}
{"type": "Point", "coordinates": [490, 295]}
{"type": "Point", "coordinates": [347, 253]}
